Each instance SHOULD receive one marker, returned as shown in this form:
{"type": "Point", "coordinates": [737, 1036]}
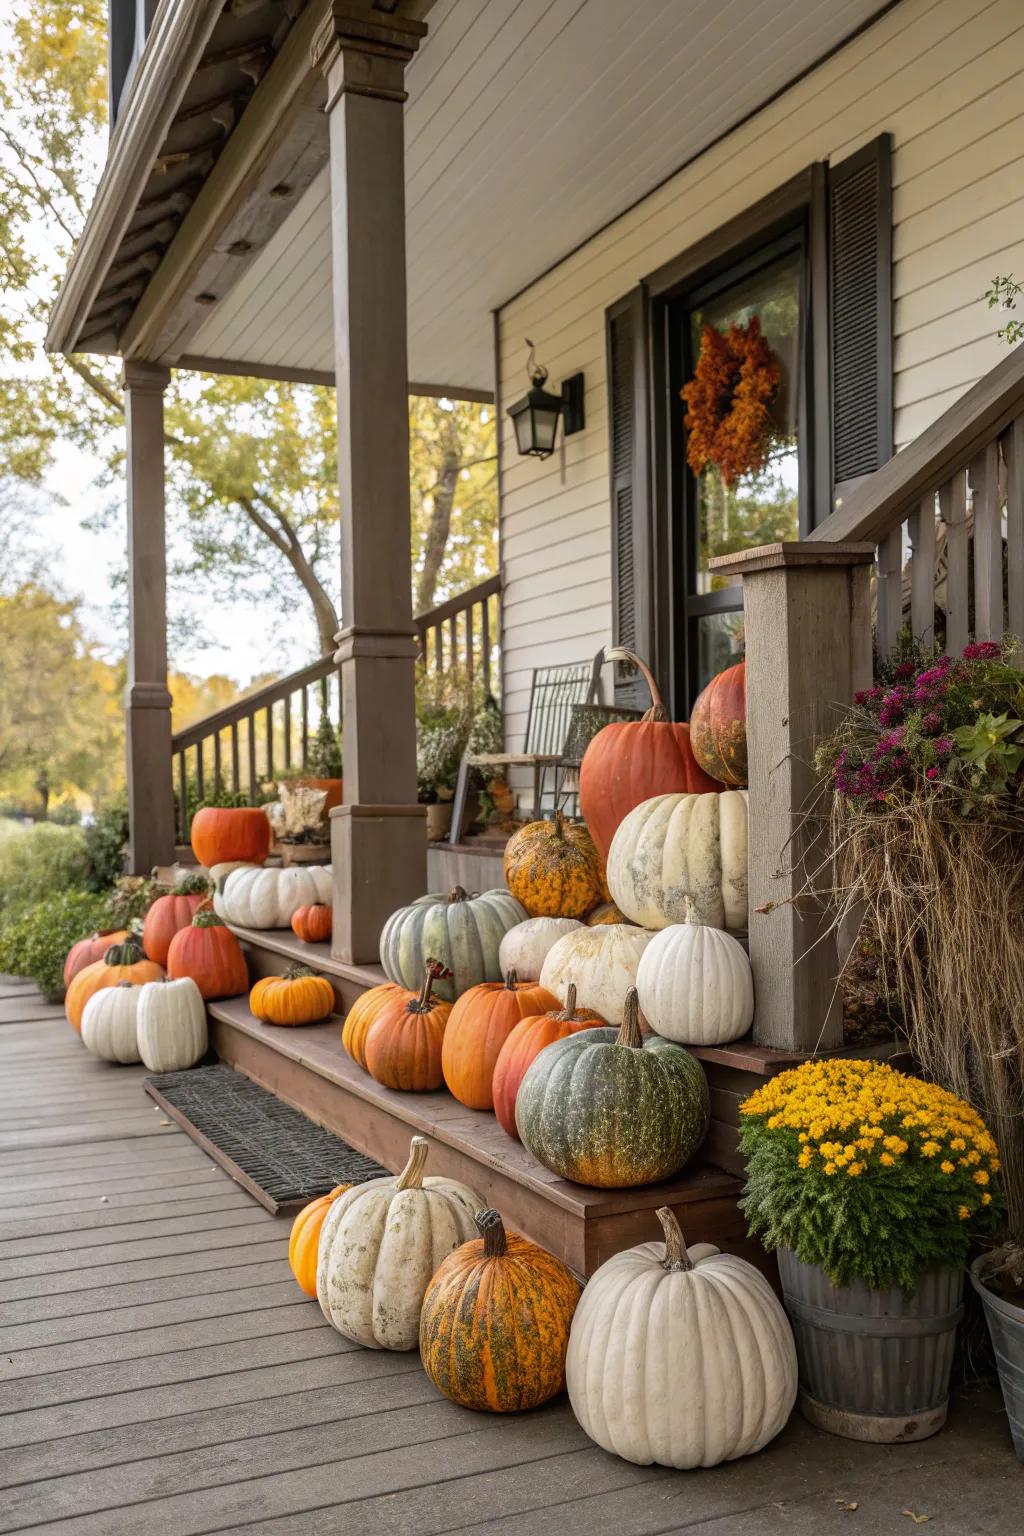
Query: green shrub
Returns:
{"type": "Point", "coordinates": [40, 861]}
{"type": "Point", "coordinates": [105, 842]}
{"type": "Point", "coordinates": [35, 939]}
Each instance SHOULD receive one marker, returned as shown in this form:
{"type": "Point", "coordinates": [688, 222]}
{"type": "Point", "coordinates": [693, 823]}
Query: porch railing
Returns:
{"type": "Point", "coordinates": [463, 634]}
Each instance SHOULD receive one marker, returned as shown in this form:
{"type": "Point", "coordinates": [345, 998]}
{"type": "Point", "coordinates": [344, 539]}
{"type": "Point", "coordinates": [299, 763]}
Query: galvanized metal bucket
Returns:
{"type": "Point", "coordinates": [874, 1365]}
{"type": "Point", "coordinates": [1006, 1328]}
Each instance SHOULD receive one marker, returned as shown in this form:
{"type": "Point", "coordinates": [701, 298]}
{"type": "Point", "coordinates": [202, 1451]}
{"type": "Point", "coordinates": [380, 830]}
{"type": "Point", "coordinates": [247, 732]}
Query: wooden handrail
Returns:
{"type": "Point", "coordinates": [263, 698]}
{"type": "Point", "coordinates": [456, 605]}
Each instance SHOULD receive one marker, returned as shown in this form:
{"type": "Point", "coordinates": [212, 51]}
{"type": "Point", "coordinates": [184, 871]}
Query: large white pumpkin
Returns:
{"type": "Point", "coordinates": [253, 897]}
{"type": "Point", "coordinates": [684, 1359]}
{"type": "Point", "coordinates": [380, 1246]}
{"type": "Point", "coordinates": [674, 850]}
{"type": "Point", "coordinates": [109, 1022]}
{"type": "Point", "coordinates": [525, 947]}
{"type": "Point", "coordinates": [601, 963]}
{"type": "Point", "coordinates": [695, 985]}
{"type": "Point", "coordinates": [172, 1032]}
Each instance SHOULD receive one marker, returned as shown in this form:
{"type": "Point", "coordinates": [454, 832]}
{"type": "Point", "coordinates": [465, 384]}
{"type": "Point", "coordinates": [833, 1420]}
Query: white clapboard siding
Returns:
{"type": "Point", "coordinates": [946, 79]}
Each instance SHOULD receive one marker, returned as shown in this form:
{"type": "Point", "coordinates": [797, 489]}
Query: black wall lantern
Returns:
{"type": "Point", "coordinates": [535, 416]}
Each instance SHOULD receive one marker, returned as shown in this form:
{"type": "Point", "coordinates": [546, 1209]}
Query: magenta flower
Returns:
{"type": "Point", "coordinates": [982, 650]}
{"type": "Point", "coordinates": [931, 773]}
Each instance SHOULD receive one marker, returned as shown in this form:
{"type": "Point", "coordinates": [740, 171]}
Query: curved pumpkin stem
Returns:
{"type": "Point", "coordinates": [492, 1229]}
{"type": "Point", "coordinates": [676, 1257]}
{"type": "Point", "coordinates": [567, 1014]}
{"type": "Point", "coordinates": [457, 893]}
{"type": "Point", "coordinates": [434, 972]}
{"type": "Point", "coordinates": [657, 710]}
{"type": "Point", "coordinates": [206, 917]}
{"type": "Point", "coordinates": [411, 1176]}
{"type": "Point", "coordinates": [630, 1033]}
{"type": "Point", "coordinates": [511, 980]}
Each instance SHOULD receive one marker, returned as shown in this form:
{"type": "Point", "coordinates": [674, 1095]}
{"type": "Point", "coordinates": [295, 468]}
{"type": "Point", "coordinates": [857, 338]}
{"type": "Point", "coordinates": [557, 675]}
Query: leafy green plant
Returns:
{"type": "Point", "coordinates": [325, 758]}
{"type": "Point", "coordinates": [35, 939]}
{"type": "Point", "coordinates": [131, 899]}
{"type": "Point", "coordinates": [39, 861]}
{"type": "Point", "coordinates": [1004, 293]}
{"type": "Point", "coordinates": [105, 842]}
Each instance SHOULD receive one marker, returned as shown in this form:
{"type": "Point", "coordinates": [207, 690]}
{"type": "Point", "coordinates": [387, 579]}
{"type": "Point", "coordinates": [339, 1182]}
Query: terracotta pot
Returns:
{"type": "Point", "coordinates": [304, 853]}
{"type": "Point", "coordinates": [439, 820]}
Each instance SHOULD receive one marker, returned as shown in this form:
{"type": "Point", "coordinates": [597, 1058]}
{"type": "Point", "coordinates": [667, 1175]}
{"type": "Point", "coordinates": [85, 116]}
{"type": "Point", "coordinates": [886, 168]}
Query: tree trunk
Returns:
{"type": "Point", "coordinates": [436, 541]}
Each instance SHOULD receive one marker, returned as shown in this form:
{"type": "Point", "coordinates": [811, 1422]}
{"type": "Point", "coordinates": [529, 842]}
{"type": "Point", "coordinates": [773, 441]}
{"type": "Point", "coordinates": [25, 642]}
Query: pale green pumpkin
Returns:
{"type": "Point", "coordinates": [463, 932]}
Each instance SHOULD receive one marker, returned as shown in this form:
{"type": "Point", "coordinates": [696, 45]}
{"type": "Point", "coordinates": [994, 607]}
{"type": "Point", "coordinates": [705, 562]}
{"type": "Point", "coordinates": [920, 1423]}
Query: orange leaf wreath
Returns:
{"type": "Point", "coordinates": [728, 401]}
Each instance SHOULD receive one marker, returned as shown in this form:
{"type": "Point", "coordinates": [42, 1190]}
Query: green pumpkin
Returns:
{"type": "Point", "coordinates": [606, 1107]}
{"type": "Point", "coordinates": [463, 932]}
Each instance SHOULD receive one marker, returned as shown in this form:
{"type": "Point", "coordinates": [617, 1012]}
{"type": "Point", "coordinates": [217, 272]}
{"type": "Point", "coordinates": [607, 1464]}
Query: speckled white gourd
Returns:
{"type": "Point", "coordinates": [525, 947]}
{"type": "Point", "coordinates": [601, 963]}
{"type": "Point", "coordinates": [676, 849]}
{"type": "Point", "coordinates": [695, 985]}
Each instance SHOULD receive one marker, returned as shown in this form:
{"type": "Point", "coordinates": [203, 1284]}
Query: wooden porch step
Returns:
{"type": "Point", "coordinates": [269, 950]}
{"type": "Point", "coordinates": [308, 1068]}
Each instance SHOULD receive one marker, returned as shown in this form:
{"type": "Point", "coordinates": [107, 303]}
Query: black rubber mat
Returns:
{"type": "Point", "coordinates": [282, 1158]}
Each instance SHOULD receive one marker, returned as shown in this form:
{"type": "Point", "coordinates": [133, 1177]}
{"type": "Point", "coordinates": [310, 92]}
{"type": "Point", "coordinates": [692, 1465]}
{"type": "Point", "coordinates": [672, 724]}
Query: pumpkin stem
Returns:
{"type": "Point", "coordinates": [559, 826]}
{"type": "Point", "coordinates": [568, 1013]}
{"type": "Point", "coordinates": [457, 893]}
{"type": "Point", "coordinates": [492, 1229]}
{"type": "Point", "coordinates": [434, 971]}
{"type": "Point", "coordinates": [690, 913]}
{"type": "Point", "coordinates": [296, 972]}
{"type": "Point", "coordinates": [206, 917]}
{"type": "Point", "coordinates": [511, 980]}
{"type": "Point", "coordinates": [411, 1176]}
{"type": "Point", "coordinates": [128, 953]}
{"type": "Point", "coordinates": [630, 1033]}
{"type": "Point", "coordinates": [192, 885]}
{"type": "Point", "coordinates": [676, 1257]}
{"type": "Point", "coordinates": [657, 710]}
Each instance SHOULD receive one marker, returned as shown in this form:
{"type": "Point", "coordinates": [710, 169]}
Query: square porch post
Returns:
{"type": "Point", "coordinates": [378, 836]}
{"type": "Point", "coordinates": [147, 701]}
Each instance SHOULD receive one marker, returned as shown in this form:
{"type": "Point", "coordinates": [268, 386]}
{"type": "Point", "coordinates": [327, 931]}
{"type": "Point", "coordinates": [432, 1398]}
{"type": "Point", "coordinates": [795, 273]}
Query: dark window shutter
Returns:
{"type": "Point", "coordinates": [628, 436]}
{"type": "Point", "coordinates": [860, 310]}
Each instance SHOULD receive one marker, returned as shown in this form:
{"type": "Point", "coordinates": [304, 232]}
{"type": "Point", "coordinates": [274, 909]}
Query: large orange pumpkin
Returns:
{"type": "Point", "coordinates": [170, 913]}
{"type": "Point", "coordinates": [88, 951]}
{"type": "Point", "coordinates": [494, 1326]}
{"type": "Point", "coordinates": [631, 761]}
{"type": "Point", "coordinates": [526, 1041]}
{"type": "Point", "coordinates": [122, 962]}
{"type": "Point", "coordinates": [300, 996]}
{"type": "Point", "coordinates": [230, 835]}
{"type": "Point", "coordinates": [210, 954]}
{"type": "Point", "coordinates": [718, 727]}
{"type": "Point", "coordinates": [403, 1044]}
{"type": "Point", "coordinates": [313, 924]}
{"type": "Point", "coordinates": [303, 1244]}
{"type": "Point", "coordinates": [553, 868]}
{"type": "Point", "coordinates": [478, 1026]}
{"type": "Point", "coordinates": [362, 1015]}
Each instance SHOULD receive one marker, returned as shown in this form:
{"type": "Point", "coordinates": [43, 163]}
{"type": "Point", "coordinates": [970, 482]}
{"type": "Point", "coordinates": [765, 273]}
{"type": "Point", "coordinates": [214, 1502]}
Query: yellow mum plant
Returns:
{"type": "Point", "coordinates": [866, 1171]}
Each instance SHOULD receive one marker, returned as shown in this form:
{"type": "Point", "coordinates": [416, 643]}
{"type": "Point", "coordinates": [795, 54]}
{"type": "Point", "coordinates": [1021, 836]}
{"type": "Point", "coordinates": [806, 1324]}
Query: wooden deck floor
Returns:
{"type": "Point", "coordinates": [161, 1372]}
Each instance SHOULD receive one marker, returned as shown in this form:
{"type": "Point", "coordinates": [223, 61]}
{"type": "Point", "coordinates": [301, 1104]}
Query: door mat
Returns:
{"type": "Point", "coordinates": [272, 1150]}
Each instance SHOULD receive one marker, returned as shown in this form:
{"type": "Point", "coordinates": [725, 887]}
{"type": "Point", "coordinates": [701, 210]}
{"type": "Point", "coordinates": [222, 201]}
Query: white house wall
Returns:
{"type": "Point", "coordinates": [946, 79]}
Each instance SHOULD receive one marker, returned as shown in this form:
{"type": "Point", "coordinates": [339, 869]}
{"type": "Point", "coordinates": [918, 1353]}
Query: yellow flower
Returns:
{"type": "Point", "coordinates": [804, 1160]}
{"type": "Point", "coordinates": [986, 1198]}
{"type": "Point", "coordinates": [964, 1212]}
{"type": "Point", "coordinates": [947, 1166]}
{"type": "Point", "coordinates": [855, 1170]}
{"type": "Point", "coordinates": [973, 1157]}
{"type": "Point", "coordinates": [887, 1160]}
{"type": "Point", "coordinates": [958, 1144]}
{"type": "Point", "coordinates": [830, 1168]}
{"type": "Point", "coordinates": [929, 1148]}
{"type": "Point", "coordinates": [981, 1177]}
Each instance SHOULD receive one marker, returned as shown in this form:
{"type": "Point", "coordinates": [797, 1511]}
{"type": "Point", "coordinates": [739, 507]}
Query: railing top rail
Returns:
{"type": "Point", "coordinates": [242, 708]}
{"type": "Point", "coordinates": [458, 604]}
{"type": "Point", "coordinates": [882, 501]}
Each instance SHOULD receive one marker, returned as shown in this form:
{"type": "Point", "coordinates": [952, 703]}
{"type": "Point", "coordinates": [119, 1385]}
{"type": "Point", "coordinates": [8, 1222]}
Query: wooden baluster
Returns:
{"type": "Point", "coordinates": [922, 571]}
{"type": "Point", "coordinates": [251, 744]}
{"type": "Point", "coordinates": [453, 640]}
{"type": "Point", "coordinates": [485, 643]}
{"type": "Point", "coordinates": [1013, 453]}
{"type": "Point", "coordinates": [469, 646]}
{"type": "Point", "coordinates": [988, 546]}
{"type": "Point", "coordinates": [288, 731]}
{"type": "Point", "coordinates": [200, 778]}
{"type": "Point", "coordinates": [184, 821]}
{"type": "Point", "coordinates": [268, 720]}
{"type": "Point", "coordinates": [438, 648]}
{"type": "Point", "coordinates": [235, 776]}
{"type": "Point", "coordinates": [953, 506]}
{"type": "Point", "coordinates": [305, 727]}
{"type": "Point", "coordinates": [889, 576]}
{"type": "Point", "coordinates": [218, 782]}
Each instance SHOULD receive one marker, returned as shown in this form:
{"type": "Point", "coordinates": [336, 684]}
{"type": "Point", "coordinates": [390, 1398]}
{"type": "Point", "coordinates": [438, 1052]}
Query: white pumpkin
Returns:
{"type": "Point", "coordinates": [268, 898]}
{"type": "Point", "coordinates": [380, 1246]}
{"type": "Point", "coordinates": [525, 947]}
{"type": "Point", "coordinates": [601, 963]}
{"type": "Point", "coordinates": [675, 849]}
{"type": "Point", "coordinates": [219, 872]}
{"type": "Point", "coordinates": [684, 1359]}
{"type": "Point", "coordinates": [172, 1032]}
{"type": "Point", "coordinates": [695, 985]}
{"type": "Point", "coordinates": [109, 1023]}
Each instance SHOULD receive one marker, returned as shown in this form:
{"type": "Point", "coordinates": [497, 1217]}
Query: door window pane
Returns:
{"type": "Point", "coordinates": [719, 643]}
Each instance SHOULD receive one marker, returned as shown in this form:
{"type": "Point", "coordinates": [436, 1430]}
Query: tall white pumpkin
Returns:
{"type": "Point", "coordinates": [678, 849]}
{"type": "Point", "coordinates": [172, 1032]}
{"type": "Point", "coordinates": [380, 1246]}
{"type": "Point", "coordinates": [253, 897]}
{"type": "Point", "coordinates": [695, 986]}
{"type": "Point", "coordinates": [109, 1023]}
{"type": "Point", "coordinates": [525, 947]}
{"type": "Point", "coordinates": [681, 1358]}
{"type": "Point", "coordinates": [601, 963]}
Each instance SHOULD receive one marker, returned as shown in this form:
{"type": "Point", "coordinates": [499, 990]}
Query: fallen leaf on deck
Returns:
{"type": "Point", "coordinates": [165, 1122]}
{"type": "Point", "coordinates": [917, 1519]}
{"type": "Point", "coordinates": [846, 1504]}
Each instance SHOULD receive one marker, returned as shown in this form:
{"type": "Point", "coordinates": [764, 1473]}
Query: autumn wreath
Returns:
{"type": "Point", "coordinates": [728, 401]}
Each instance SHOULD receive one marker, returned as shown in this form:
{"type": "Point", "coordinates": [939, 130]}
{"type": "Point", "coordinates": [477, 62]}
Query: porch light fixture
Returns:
{"type": "Point", "coordinates": [535, 416]}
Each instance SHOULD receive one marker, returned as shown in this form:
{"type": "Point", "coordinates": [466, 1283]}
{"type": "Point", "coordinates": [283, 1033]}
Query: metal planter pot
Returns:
{"type": "Point", "coordinates": [1006, 1327]}
{"type": "Point", "coordinates": [874, 1365]}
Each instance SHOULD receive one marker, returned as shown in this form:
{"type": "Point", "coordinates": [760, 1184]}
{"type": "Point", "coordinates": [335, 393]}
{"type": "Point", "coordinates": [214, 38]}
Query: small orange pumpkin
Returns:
{"type": "Point", "coordinates": [313, 924]}
{"type": "Point", "coordinates": [362, 1014]}
{"type": "Point", "coordinates": [230, 835]}
{"type": "Point", "coordinates": [526, 1041]}
{"type": "Point", "coordinates": [208, 952]}
{"type": "Point", "coordinates": [553, 868]}
{"type": "Point", "coordinates": [170, 913]}
{"type": "Point", "coordinates": [88, 951]}
{"type": "Point", "coordinates": [478, 1026]}
{"type": "Point", "coordinates": [403, 1044]}
{"type": "Point", "coordinates": [300, 996]}
{"type": "Point", "coordinates": [304, 1241]}
{"type": "Point", "coordinates": [122, 962]}
{"type": "Point", "coordinates": [606, 913]}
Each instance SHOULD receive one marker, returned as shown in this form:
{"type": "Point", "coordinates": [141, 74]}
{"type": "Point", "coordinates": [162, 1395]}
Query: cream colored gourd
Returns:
{"type": "Point", "coordinates": [109, 1023]}
{"type": "Point", "coordinates": [695, 985]}
{"type": "Point", "coordinates": [525, 947]}
{"type": "Point", "coordinates": [380, 1246]}
{"type": "Point", "coordinates": [601, 963]}
{"type": "Point", "coordinates": [253, 897]}
{"type": "Point", "coordinates": [676, 849]}
{"type": "Point", "coordinates": [172, 1032]}
{"type": "Point", "coordinates": [681, 1358]}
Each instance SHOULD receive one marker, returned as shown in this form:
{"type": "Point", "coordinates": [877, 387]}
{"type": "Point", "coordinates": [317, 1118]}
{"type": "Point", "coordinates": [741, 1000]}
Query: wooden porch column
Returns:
{"type": "Point", "coordinates": [147, 700]}
{"type": "Point", "coordinates": [378, 836]}
{"type": "Point", "coordinates": [807, 618]}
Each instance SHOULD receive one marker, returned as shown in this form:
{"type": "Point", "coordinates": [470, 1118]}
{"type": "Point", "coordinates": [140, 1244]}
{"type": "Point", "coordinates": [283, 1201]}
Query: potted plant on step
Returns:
{"type": "Point", "coordinates": [870, 1185]}
{"type": "Point", "coordinates": [297, 820]}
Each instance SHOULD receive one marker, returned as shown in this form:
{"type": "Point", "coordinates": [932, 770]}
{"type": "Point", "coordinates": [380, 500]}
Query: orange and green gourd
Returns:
{"type": "Point", "coordinates": [208, 952]}
{"type": "Point", "coordinates": [553, 868]}
{"type": "Point", "coordinates": [718, 727]}
{"type": "Point", "coordinates": [122, 962]}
